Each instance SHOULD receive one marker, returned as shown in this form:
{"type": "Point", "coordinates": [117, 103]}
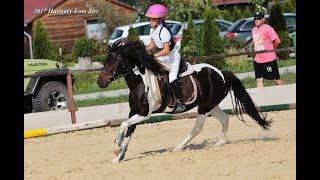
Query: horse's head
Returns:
{"type": "Point", "coordinates": [109, 70]}
{"type": "Point", "coordinates": [116, 64]}
{"type": "Point", "coordinates": [124, 56]}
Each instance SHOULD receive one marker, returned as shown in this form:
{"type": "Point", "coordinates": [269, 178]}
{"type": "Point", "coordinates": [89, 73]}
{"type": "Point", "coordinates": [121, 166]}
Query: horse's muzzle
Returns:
{"type": "Point", "coordinates": [102, 83]}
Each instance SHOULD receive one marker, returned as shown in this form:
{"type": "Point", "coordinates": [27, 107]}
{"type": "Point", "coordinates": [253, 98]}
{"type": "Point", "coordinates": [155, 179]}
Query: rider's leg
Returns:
{"type": "Point", "coordinates": [175, 84]}
{"type": "Point", "coordinates": [176, 88]}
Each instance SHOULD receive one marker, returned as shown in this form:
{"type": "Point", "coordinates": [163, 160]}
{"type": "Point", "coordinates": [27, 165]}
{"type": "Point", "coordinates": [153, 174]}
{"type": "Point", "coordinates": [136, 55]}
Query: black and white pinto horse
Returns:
{"type": "Point", "coordinates": [129, 59]}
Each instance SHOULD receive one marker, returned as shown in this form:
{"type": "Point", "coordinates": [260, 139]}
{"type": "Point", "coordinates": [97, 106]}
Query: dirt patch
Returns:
{"type": "Point", "coordinates": [251, 153]}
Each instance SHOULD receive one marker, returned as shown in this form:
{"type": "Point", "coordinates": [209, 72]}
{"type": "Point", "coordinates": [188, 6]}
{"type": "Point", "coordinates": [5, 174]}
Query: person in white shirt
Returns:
{"type": "Point", "coordinates": [162, 39]}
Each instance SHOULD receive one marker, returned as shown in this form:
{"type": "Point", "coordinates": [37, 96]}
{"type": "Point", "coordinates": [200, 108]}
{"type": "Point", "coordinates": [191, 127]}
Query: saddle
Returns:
{"type": "Point", "coordinates": [183, 66]}
{"type": "Point", "coordinates": [188, 87]}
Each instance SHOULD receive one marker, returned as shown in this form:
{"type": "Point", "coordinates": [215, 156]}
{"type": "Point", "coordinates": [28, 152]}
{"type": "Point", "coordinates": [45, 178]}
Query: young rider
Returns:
{"type": "Point", "coordinates": [162, 39]}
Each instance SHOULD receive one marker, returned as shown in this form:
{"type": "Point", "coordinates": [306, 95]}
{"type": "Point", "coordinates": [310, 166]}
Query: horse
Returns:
{"type": "Point", "coordinates": [147, 80]}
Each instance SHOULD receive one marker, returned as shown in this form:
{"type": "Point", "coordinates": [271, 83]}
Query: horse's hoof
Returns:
{"type": "Point", "coordinates": [178, 148]}
{"type": "Point", "coordinates": [220, 143]}
{"type": "Point", "coordinates": [116, 160]}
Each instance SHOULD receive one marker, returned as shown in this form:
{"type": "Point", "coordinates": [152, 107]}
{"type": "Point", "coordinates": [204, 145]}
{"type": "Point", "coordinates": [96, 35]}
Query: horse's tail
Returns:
{"type": "Point", "coordinates": [244, 101]}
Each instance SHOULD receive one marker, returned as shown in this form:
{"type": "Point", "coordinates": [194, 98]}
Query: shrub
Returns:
{"type": "Point", "coordinates": [227, 15]}
{"type": "Point", "coordinates": [66, 58]}
{"type": "Point", "coordinates": [99, 58]}
{"type": "Point", "coordinates": [211, 42]}
{"type": "Point", "coordinates": [189, 42]}
{"type": "Point", "coordinates": [191, 48]}
{"type": "Point", "coordinates": [285, 43]}
{"type": "Point", "coordinates": [288, 6]}
{"type": "Point", "coordinates": [247, 12]}
{"type": "Point", "coordinates": [133, 34]}
{"type": "Point", "coordinates": [233, 43]}
{"type": "Point", "coordinates": [236, 13]}
{"type": "Point", "coordinates": [277, 21]}
{"type": "Point", "coordinates": [236, 63]}
{"type": "Point", "coordinates": [85, 47]}
{"type": "Point", "coordinates": [42, 47]}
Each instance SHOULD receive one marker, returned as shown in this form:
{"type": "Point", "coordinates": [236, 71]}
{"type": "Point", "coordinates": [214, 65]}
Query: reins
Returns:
{"type": "Point", "coordinates": [127, 73]}
{"type": "Point", "coordinates": [112, 76]}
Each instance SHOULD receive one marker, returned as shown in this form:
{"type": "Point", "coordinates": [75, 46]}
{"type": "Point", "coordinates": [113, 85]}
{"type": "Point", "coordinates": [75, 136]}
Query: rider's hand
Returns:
{"type": "Point", "coordinates": [151, 53]}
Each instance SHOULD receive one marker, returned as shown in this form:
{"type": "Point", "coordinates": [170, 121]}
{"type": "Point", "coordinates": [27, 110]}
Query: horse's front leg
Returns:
{"type": "Point", "coordinates": [122, 148]}
{"type": "Point", "coordinates": [121, 142]}
{"type": "Point", "coordinates": [118, 141]}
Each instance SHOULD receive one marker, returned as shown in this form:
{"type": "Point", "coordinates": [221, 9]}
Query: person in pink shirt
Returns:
{"type": "Point", "coordinates": [265, 64]}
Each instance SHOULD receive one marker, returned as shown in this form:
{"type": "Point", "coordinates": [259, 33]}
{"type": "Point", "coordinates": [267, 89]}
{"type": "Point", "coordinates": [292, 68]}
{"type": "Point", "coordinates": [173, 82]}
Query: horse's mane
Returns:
{"type": "Point", "coordinates": [134, 51]}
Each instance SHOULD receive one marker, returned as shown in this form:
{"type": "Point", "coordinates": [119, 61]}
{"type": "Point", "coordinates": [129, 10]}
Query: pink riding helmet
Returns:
{"type": "Point", "coordinates": [157, 11]}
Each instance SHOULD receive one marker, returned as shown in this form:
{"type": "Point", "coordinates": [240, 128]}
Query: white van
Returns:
{"type": "Point", "coordinates": [142, 28]}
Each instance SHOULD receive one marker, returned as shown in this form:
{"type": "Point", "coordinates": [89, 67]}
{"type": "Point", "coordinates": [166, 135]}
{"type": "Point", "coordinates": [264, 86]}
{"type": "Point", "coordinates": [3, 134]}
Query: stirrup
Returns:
{"type": "Point", "coordinates": [178, 107]}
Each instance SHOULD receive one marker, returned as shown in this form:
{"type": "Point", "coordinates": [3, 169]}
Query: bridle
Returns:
{"type": "Point", "coordinates": [112, 76]}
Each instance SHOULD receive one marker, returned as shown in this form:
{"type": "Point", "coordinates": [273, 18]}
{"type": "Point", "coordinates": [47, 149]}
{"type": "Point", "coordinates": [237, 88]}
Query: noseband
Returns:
{"type": "Point", "coordinates": [112, 76]}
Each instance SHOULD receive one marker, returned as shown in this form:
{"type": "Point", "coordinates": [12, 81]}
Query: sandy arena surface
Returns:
{"type": "Point", "coordinates": [251, 153]}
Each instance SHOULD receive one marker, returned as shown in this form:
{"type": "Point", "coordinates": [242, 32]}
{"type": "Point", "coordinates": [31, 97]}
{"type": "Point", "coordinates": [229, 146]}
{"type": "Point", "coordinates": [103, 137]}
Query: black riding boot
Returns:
{"type": "Point", "coordinates": [178, 106]}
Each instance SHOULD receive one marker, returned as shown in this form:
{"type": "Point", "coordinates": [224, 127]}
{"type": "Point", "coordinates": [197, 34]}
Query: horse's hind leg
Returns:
{"type": "Point", "coordinates": [224, 120]}
{"type": "Point", "coordinates": [198, 127]}
{"type": "Point", "coordinates": [122, 148]}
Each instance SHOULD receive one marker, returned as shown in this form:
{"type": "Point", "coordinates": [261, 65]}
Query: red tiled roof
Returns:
{"type": "Point", "coordinates": [30, 7]}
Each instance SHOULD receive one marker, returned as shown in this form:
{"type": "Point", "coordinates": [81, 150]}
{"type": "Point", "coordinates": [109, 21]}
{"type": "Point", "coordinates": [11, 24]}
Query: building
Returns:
{"type": "Point", "coordinates": [68, 20]}
{"type": "Point", "coordinates": [228, 4]}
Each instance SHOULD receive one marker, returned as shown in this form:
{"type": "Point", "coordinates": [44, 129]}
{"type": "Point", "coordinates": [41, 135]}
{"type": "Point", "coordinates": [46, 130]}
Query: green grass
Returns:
{"type": "Point", "coordinates": [289, 78]}
{"type": "Point", "coordinates": [101, 101]}
{"type": "Point", "coordinates": [289, 62]}
{"type": "Point", "coordinates": [86, 82]}
{"type": "Point", "coordinates": [243, 65]}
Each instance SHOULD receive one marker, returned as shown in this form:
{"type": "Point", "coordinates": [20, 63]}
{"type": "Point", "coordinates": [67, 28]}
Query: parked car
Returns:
{"type": "Point", "coordinates": [222, 24]}
{"type": "Point", "coordinates": [241, 29]}
{"type": "Point", "coordinates": [142, 28]}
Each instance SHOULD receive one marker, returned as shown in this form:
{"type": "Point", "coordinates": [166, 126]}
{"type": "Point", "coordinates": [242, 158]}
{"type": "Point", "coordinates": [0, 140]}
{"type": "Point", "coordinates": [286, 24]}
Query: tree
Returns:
{"type": "Point", "coordinates": [85, 47]}
{"type": "Point", "coordinates": [288, 7]}
{"type": "Point", "coordinates": [211, 42]}
{"type": "Point", "coordinates": [277, 21]}
{"type": "Point", "coordinates": [42, 47]}
{"type": "Point", "coordinates": [190, 40]}
{"type": "Point", "coordinates": [247, 12]}
{"type": "Point", "coordinates": [110, 16]}
{"type": "Point", "coordinates": [258, 3]}
{"type": "Point", "coordinates": [227, 15]}
{"type": "Point", "coordinates": [129, 2]}
{"type": "Point", "coordinates": [188, 32]}
{"type": "Point", "coordinates": [142, 6]}
{"type": "Point", "coordinates": [293, 2]}
{"type": "Point", "coordinates": [256, 9]}
{"type": "Point", "coordinates": [179, 10]}
{"type": "Point", "coordinates": [133, 34]}
{"type": "Point", "coordinates": [236, 13]}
